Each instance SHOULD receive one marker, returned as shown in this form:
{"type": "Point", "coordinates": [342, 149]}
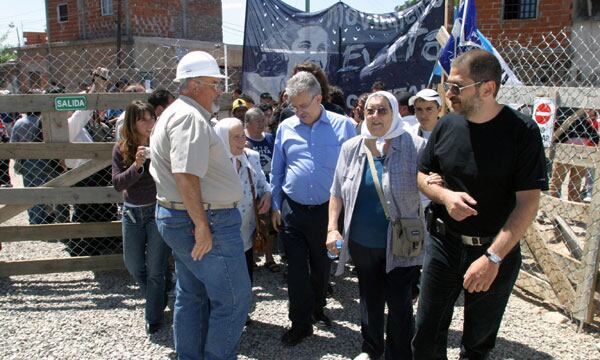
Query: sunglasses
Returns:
{"type": "Point", "coordinates": [456, 90]}
{"type": "Point", "coordinates": [380, 110]}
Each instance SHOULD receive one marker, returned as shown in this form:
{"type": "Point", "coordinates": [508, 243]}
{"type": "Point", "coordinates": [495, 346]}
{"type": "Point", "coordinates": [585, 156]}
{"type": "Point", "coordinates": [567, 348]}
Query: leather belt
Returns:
{"type": "Point", "coordinates": [307, 207]}
{"type": "Point", "coordinates": [442, 229]}
{"type": "Point", "coordinates": [179, 205]}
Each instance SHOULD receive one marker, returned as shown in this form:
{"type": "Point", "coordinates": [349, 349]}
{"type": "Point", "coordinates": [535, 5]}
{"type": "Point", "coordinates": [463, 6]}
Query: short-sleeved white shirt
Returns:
{"type": "Point", "coordinates": [183, 141]}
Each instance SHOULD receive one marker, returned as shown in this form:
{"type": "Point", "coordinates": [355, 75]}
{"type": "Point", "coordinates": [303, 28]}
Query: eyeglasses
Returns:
{"type": "Point", "coordinates": [218, 86]}
{"type": "Point", "coordinates": [380, 110]}
{"type": "Point", "coordinates": [303, 107]}
{"type": "Point", "coordinates": [455, 89]}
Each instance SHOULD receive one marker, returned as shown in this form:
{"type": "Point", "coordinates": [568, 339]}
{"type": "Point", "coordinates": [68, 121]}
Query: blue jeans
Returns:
{"type": "Point", "coordinates": [35, 173]}
{"type": "Point", "coordinates": [213, 295]}
{"type": "Point", "coordinates": [446, 261]}
{"type": "Point", "coordinates": [146, 256]}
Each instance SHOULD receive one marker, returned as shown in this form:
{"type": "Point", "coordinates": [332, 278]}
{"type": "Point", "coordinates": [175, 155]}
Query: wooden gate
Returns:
{"type": "Point", "coordinates": [59, 190]}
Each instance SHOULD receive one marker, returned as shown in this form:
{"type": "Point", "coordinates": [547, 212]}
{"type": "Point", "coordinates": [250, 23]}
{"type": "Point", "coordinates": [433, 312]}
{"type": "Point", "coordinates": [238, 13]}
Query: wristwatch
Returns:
{"type": "Point", "coordinates": [493, 257]}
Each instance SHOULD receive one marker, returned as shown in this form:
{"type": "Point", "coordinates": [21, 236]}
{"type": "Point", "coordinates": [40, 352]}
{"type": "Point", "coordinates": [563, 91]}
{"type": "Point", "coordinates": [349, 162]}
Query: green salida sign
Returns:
{"type": "Point", "coordinates": [70, 103]}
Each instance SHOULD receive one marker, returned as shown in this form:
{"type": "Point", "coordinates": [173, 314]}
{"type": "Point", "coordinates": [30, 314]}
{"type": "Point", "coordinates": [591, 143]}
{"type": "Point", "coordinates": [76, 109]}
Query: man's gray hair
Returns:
{"type": "Point", "coordinates": [253, 114]}
{"type": "Point", "coordinates": [301, 82]}
{"type": "Point", "coordinates": [183, 84]}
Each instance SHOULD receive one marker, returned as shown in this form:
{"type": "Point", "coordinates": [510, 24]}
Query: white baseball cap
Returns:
{"type": "Point", "coordinates": [427, 95]}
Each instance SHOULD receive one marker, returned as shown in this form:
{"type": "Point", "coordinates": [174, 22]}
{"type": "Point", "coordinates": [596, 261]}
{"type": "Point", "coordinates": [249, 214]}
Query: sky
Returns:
{"type": "Point", "coordinates": [30, 15]}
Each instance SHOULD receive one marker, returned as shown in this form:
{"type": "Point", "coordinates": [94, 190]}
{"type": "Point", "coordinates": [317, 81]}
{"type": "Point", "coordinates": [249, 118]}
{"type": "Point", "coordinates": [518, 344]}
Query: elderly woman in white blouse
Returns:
{"type": "Point", "coordinates": [247, 164]}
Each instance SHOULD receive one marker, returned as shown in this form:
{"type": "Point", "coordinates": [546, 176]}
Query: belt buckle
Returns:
{"type": "Point", "coordinates": [471, 240]}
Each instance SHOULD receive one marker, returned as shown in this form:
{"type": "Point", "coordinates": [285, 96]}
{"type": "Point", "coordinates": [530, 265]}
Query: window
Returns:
{"type": "Point", "coordinates": [520, 9]}
{"type": "Point", "coordinates": [62, 13]}
{"type": "Point", "coordinates": [106, 7]}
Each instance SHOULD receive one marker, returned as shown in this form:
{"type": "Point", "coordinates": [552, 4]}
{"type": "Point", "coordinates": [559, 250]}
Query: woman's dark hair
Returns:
{"type": "Point", "coordinates": [130, 139]}
{"type": "Point", "coordinates": [336, 96]}
{"type": "Point", "coordinates": [358, 111]}
{"type": "Point", "coordinates": [316, 70]}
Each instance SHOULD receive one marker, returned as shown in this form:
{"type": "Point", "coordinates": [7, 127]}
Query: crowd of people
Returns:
{"type": "Point", "coordinates": [425, 207]}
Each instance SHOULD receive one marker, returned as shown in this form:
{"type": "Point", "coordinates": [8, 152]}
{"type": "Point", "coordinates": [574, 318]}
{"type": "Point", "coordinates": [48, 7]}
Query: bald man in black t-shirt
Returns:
{"type": "Point", "coordinates": [492, 161]}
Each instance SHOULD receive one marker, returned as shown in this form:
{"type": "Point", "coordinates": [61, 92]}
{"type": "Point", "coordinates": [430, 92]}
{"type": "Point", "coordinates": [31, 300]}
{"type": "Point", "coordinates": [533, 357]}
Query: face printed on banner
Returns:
{"type": "Point", "coordinates": [310, 45]}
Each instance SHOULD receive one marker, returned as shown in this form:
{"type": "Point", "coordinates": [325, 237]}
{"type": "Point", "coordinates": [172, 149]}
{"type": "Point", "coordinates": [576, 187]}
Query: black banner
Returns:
{"type": "Point", "coordinates": [354, 48]}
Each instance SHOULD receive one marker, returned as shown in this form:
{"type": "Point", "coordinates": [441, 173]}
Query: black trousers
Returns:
{"type": "Point", "coordinates": [377, 288]}
{"type": "Point", "coordinates": [304, 233]}
{"type": "Point", "coordinates": [250, 263]}
{"type": "Point", "coordinates": [445, 263]}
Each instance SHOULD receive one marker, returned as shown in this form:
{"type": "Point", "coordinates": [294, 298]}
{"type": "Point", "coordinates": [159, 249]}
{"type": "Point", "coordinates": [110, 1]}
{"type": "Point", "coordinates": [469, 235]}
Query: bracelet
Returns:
{"type": "Point", "coordinates": [330, 230]}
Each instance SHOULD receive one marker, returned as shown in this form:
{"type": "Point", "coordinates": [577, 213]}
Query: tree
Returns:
{"type": "Point", "coordinates": [6, 52]}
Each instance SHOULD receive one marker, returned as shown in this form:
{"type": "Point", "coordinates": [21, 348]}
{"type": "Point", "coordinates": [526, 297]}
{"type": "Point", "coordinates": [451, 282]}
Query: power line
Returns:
{"type": "Point", "coordinates": [12, 17]}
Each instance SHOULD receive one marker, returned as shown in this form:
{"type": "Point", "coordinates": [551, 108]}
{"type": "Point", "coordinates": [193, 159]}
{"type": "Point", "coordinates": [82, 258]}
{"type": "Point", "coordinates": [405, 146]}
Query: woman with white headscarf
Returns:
{"type": "Point", "coordinates": [247, 164]}
{"type": "Point", "coordinates": [384, 157]}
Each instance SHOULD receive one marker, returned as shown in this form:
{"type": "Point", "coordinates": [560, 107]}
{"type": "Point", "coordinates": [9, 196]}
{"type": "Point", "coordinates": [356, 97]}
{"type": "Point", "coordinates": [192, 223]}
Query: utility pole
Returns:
{"type": "Point", "coordinates": [118, 34]}
{"type": "Point", "coordinates": [307, 5]}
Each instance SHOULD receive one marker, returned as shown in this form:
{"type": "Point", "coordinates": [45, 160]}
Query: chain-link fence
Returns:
{"type": "Point", "coordinates": [561, 249]}
{"type": "Point", "coordinates": [69, 70]}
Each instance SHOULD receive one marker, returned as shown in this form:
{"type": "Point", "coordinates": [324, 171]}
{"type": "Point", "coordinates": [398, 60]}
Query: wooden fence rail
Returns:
{"type": "Point", "coordinates": [58, 190]}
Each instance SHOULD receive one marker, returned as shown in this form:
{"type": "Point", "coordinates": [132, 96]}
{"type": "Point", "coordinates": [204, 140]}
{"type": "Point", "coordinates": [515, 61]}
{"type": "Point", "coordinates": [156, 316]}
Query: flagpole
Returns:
{"type": "Point", "coordinates": [448, 15]}
{"type": "Point", "coordinates": [448, 12]}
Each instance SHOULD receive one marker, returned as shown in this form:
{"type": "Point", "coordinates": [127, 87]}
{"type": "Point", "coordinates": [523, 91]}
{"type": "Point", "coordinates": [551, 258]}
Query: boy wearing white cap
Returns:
{"type": "Point", "coordinates": [427, 104]}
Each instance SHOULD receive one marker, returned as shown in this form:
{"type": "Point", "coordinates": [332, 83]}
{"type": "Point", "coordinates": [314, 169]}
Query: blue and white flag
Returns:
{"type": "Point", "coordinates": [464, 37]}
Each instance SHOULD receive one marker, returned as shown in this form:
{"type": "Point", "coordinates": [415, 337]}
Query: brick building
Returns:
{"type": "Point", "coordinates": [514, 18]}
{"type": "Point", "coordinates": [555, 36]}
{"type": "Point", "coordinates": [72, 20]}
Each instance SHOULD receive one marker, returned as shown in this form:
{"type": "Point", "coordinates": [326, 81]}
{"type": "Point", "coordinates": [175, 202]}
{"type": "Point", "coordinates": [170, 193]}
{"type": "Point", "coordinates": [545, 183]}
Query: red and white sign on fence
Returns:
{"type": "Point", "coordinates": [544, 114]}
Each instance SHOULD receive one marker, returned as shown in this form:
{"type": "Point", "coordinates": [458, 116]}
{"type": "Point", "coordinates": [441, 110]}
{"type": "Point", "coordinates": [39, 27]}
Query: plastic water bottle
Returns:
{"type": "Point", "coordinates": [338, 245]}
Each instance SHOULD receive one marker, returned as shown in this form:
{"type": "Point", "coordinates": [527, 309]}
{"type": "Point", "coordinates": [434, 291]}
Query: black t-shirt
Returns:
{"type": "Point", "coordinates": [490, 162]}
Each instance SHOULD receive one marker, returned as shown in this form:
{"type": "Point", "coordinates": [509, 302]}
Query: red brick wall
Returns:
{"type": "Point", "coordinates": [65, 31]}
{"type": "Point", "coordinates": [96, 26]}
{"type": "Point", "coordinates": [154, 18]}
{"type": "Point", "coordinates": [553, 16]}
{"type": "Point", "coordinates": [33, 38]}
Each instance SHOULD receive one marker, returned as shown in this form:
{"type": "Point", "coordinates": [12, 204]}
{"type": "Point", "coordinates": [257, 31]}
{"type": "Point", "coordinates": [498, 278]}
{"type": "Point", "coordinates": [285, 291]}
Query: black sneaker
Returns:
{"type": "Point", "coordinates": [320, 317]}
{"type": "Point", "coordinates": [152, 328]}
{"type": "Point", "coordinates": [295, 335]}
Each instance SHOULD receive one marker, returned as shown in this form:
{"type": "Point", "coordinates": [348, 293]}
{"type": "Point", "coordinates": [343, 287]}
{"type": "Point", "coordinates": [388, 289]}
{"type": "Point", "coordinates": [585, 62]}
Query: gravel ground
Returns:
{"type": "Point", "coordinates": [87, 315]}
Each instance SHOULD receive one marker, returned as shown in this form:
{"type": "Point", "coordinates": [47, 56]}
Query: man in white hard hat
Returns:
{"type": "Point", "coordinates": [197, 194]}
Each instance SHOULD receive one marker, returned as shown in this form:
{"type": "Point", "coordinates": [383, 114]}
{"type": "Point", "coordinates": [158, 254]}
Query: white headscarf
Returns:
{"type": "Point", "coordinates": [222, 129]}
{"type": "Point", "coordinates": [396, 128]}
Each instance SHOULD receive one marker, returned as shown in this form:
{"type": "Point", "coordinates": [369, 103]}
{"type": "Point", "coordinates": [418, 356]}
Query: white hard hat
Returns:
{"type": "Point", "coordinates": [197, 63]}
{"type": "Point", "coordinates": [427, 95]}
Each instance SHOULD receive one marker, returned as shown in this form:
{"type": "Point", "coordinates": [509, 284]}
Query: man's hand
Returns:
{"type": "Point", "coordinates": [276, 219]}
{"type": "Point", "coordinates": [459, 205]}
{"type": "Point", "coordinates": [265, 203]}
{"type": "Point", "coordinates": [332, 237]}
{"type": "Point", "coordinates": [480, 275]}
{"type": "Point", "coordinates": [203, 242]}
